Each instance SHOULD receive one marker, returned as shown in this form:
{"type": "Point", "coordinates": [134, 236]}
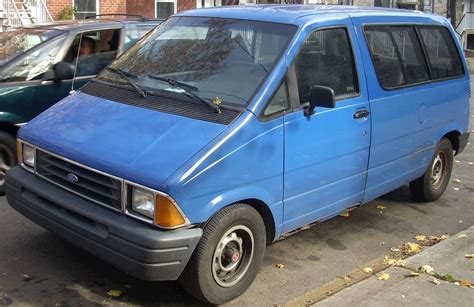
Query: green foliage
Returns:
{"type": "Point", "coordinates": [68, 13]}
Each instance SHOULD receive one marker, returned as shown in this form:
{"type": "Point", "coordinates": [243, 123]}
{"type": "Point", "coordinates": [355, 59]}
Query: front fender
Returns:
{"type": "Point", "coordinates": [244, 162]}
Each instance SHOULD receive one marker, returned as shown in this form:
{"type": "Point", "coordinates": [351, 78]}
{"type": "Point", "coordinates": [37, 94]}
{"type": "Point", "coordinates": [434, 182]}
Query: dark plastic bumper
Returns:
{"type": "Point", "coordinates": [463, 139]}
{"type": "Point", "coordinates": [134, 247]}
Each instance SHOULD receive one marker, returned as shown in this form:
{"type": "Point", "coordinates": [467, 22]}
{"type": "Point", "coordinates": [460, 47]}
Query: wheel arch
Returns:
{"type": "Point", "coordinates": [453, 137]}
{"type": "Point", "coordinates": [262, 208]}
{"type": "Point", "coordinates": [9, 128]}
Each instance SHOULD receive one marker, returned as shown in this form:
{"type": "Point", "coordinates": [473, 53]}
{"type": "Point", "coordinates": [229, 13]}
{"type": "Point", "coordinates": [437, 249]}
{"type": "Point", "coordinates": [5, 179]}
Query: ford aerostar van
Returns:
{"type": "Point", "coordinates": [223, 129]}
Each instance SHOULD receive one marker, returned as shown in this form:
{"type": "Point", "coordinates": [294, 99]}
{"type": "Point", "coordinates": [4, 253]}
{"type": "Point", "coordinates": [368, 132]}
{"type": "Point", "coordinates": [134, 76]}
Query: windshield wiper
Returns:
{"type": "Point", "coordinates": [125, 75]}
{"type": "Point", "coordinates": [189, 90]}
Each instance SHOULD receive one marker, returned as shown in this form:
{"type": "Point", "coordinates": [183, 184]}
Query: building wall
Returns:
{"type": "Point", "coordinates": [112, 7]}
{"type": "Point", "coordinates": [56, 6]}
{"type": "Point", "coordinates": [145, 8]}
{"type": "Point", "coordinates": [184, 5]}
{"type": "Point", "coordinates": [105, 6]}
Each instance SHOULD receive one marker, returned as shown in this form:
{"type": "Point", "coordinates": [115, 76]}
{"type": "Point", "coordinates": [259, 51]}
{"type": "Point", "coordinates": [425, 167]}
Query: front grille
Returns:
{"type": "Point", "coordinates": [89, 184]}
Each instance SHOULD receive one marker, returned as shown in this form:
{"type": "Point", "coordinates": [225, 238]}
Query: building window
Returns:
{"type": "Point", "coordinates": [85, 8]}
{"type": "Point", "coordinates": [164, 8]}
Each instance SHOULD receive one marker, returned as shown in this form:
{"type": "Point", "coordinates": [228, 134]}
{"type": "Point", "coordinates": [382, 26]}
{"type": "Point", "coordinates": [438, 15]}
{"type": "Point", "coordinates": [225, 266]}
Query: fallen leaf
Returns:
{"type": "Point", "coordinates": [413, 274]}
{"type": "Point", "coordinates": [465, 283]}
{"type": "Point", "coordinates": [367, 270]}
{"type": "Point", "coordinates": [280, 266]}
{"type": "Point", "coordinates": [412, 248]}
{"type": "Point", "coordinates": [420, 237]}
{"type": "Point", "coordinates": [444, 237]}
{"type": "Point", "coordinates": [457, 180]}
{"type": "Point", "coordinates": [435, 281]}
{"type": "Point", "coordinates": [394, 249]}
{"type": "Point", "coordinates": [395, 262]}
{"type": "Point", "coordinates": [344, 213]}
{"type": "Point", "coordinates": [381, 207]}
{"type": "Point", "coordinates": [462, 236]}
{"type": "Point", "coordinates": [426, 268]}
{"type": "Point", "coordinates": [470, 256]}
{"type": "Point", "coordinates": [383, 276]}
{"type": "Point", "coordinates": [114, 293]}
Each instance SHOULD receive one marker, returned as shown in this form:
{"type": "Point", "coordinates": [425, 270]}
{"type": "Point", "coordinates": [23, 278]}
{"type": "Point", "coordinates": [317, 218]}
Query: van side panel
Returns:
{"type": "Point", "coordinates": [407, 123]}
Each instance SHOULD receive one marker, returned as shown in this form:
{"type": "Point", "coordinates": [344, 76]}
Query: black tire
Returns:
{"type": "Point", "coordinates": [433, 183]}
{"type": "Point", "coordinates": [7, 157]}
{"type": "Point", "coordinates": [201, 280]}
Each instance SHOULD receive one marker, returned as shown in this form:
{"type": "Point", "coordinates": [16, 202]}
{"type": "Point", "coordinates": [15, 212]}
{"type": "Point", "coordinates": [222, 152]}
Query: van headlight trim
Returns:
{"type": "Point", "coordinates": [26, 155]}
{"type": "Point", "coordinates": [154, 206]}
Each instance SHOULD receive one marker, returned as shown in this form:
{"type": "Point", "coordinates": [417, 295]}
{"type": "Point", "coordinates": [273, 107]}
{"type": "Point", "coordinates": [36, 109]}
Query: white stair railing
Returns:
{"type": "Point", "coordinates": [23, 13]}
{"type": "Point", "coordinates": [11, 13]}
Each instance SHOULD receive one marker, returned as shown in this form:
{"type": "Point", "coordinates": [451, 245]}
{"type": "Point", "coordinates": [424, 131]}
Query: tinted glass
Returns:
{"type": "Point", "coordinates": [220, 58]}
{"type": "Point", "coordinates": [279, 101]}
{"type": "Point", "coordinates": [13, 43]}
{"type": "Point", "coordinates": [326, 59]}
{"type": "Point", "coordinates": [93, 51]}
{"type": "Point", "coordinates": [134, 32]}
{"type": "Point", "coordinates": [443, 55]}
{"type": "Point", "coordinates": [33, 66]}
{"type": "Point", "coordinates": [411, 54]}
{"type": "Point", "coordinates": [384, 57]}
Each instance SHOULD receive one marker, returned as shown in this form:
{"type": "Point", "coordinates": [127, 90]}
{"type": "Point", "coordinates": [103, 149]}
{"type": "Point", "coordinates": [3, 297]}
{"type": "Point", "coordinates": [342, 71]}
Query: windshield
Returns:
{"type": "Point", "coordinates": [219, 59]}
{"type": "Point", "coordinates": [13, 43]}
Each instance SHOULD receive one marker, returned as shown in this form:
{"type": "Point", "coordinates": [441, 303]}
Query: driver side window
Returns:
{"type": "Point", "coordinates": [326, 59]}
{"type": "Point", "coordinates": [93, 51]}
{"type": "Point", "coordinates": [34, 65]}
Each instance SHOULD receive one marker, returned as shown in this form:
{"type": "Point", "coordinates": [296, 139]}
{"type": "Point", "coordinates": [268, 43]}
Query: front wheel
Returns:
{"type": "Point", "coordinates": [433, 183]}
{"type": "Point", "coordinates": [228, 257]}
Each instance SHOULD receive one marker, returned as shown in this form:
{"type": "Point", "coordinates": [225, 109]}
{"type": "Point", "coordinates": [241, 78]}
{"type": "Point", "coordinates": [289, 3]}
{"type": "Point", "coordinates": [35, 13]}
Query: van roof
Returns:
{"type": "Point", "coordinates": [292, 13]}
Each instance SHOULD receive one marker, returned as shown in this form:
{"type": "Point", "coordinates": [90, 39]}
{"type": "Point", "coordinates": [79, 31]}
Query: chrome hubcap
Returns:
{"type": "Point", "coordinates": [437, 170]}
{"type": "Point", "coordinates": [6, 162]}
{"type": "Point", "coordinates": [232, 256]}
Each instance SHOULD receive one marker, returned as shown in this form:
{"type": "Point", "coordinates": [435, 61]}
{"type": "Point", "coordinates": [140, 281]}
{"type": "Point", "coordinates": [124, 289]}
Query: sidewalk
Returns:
{"type": "Point", "coordinates": [446, 257]}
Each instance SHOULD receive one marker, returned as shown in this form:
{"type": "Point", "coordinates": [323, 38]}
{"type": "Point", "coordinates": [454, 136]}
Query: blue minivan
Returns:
{"type": "Point", "coordinates": [223, 129]}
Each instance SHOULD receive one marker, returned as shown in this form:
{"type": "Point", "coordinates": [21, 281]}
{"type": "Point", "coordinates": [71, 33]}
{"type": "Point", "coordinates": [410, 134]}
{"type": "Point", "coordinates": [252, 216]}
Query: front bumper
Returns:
{"type": "Point", "coordinates": [133, 247]}
{"type": "Point", "coordinates": [463, 140]}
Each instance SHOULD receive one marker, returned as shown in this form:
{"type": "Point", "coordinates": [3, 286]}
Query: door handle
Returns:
{"type": "Point", "coordinates": [361, 114]}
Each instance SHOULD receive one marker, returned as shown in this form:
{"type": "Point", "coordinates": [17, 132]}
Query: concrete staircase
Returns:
{"type": "Point", "coordinates": [15, 13]}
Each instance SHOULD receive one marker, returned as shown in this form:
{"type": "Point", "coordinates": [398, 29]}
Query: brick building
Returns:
{"type": "Point", "coordinates": [164, 8]}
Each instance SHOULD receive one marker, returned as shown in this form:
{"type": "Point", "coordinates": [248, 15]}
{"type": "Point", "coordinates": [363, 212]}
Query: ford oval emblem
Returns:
{"type": "Point", "coordinates": [72, 177]}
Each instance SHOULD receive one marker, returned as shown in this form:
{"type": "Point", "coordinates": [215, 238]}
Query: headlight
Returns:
{"type": "Point", "coordinates": [159, 207]}
{"type": "Point", "coordinates": [143, 202]}
{"type": "Point", "coordinates": [28, 156]}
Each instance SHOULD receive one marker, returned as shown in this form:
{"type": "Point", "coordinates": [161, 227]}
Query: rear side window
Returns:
{"type": "Point", "coordinates": [411, 54]}
{"type": "Point", "coordinates": [384, 56]}
{"type": "Point", "coordinates": [443, 56]}
{"type": "Point", "coordinates": [399, 58]}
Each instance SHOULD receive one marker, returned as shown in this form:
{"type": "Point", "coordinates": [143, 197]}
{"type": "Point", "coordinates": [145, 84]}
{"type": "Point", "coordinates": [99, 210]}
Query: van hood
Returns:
{"type": "Point", "coordinates": [141, 145]}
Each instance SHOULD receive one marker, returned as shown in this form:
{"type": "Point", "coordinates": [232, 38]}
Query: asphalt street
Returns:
{"type": "Point", "coordinates": [38, 268]}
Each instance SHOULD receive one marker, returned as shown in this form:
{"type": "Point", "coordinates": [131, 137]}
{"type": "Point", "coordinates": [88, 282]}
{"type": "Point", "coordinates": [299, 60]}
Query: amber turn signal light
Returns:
{"type": "Point", "coordinates": [166, 213]}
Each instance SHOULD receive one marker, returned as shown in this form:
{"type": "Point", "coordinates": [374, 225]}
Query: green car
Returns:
{"type": "Point", "coordinates": [43, 63]}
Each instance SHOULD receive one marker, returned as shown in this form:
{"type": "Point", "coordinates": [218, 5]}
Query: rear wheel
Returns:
{"type": "Point", "coordinates": [433, 183]}
{"type": "Point", "coordinates": [7, 157]}
{"type": "Point", "coordinates": [228, 257]}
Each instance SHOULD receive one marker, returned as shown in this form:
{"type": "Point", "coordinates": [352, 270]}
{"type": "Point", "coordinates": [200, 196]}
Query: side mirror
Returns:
{"type": "Point", "coordinates": [321, 96]}
{"type": "Point", "coordinates": [63, 71]}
